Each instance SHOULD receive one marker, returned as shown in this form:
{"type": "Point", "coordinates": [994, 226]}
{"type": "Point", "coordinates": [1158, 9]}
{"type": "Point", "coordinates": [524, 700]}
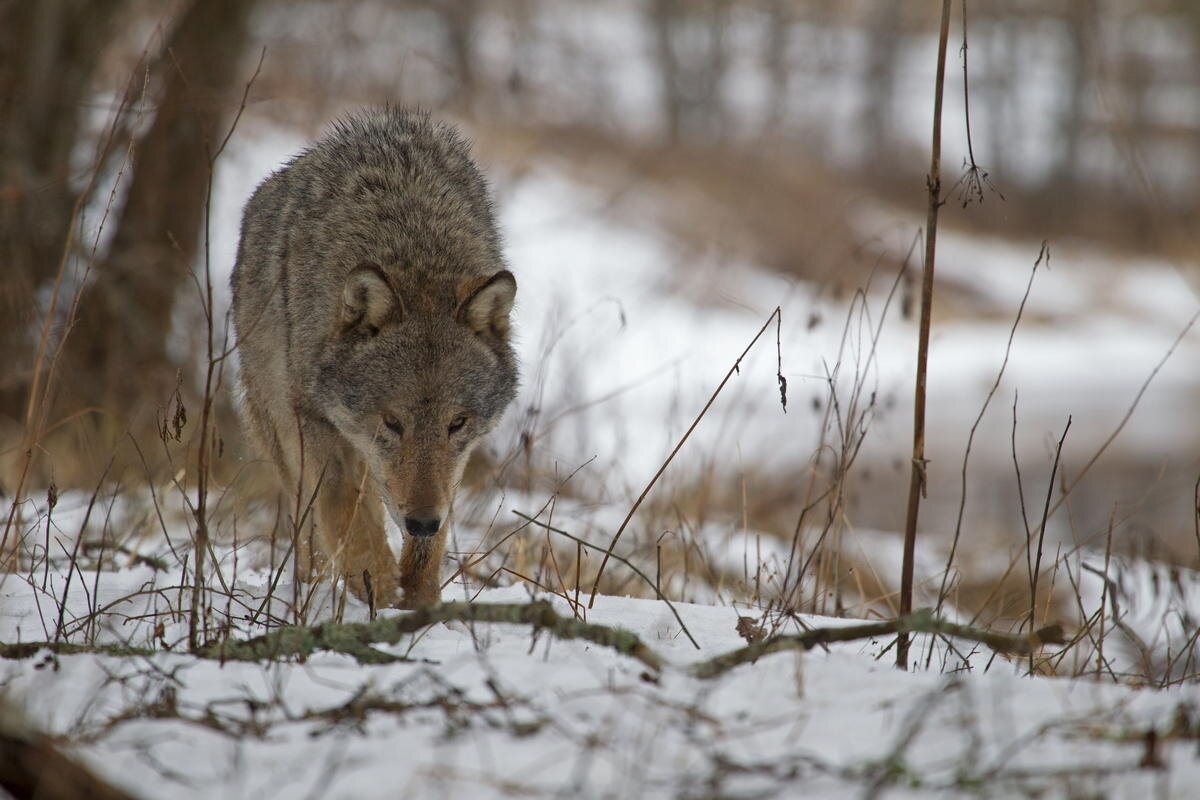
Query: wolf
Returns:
{"type": "Point", "coordinates": [371, 305]}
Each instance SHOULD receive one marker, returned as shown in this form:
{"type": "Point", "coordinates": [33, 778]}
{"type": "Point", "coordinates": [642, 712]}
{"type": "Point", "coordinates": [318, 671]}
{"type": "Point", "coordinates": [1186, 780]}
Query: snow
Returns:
{"type": "Point", "coordinates": [499, 712]}
{"type": "Point", "coordinates": [493, 710]}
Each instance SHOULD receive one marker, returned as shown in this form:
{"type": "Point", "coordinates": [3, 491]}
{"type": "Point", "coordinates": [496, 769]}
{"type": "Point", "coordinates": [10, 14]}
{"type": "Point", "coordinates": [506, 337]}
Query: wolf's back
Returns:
{"type": "Point", "coordinates": [386, 187]}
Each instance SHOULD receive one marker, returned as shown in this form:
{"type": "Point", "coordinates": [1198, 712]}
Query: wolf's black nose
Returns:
{"type": "Point", "coordinates": [424, 527]}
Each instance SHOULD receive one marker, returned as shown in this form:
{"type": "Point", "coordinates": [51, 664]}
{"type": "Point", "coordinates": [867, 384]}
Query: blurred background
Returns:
{"type": "Point", "coordinates": [667, 173]}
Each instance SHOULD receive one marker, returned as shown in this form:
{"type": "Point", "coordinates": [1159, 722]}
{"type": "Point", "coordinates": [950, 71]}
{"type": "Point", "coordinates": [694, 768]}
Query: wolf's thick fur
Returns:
{"type": "Point", "coordinates": [371, 305]}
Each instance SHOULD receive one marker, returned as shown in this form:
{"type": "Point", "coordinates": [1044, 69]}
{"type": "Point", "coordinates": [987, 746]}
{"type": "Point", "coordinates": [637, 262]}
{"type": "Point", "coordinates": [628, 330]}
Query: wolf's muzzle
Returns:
{"type": "Point", "coordinates": [422, 527]}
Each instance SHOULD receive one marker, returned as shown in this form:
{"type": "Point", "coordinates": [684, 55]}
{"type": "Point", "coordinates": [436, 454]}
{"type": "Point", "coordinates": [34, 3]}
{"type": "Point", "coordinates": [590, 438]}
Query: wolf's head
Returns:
{"type": "Point", "coordinates": [418, 369]}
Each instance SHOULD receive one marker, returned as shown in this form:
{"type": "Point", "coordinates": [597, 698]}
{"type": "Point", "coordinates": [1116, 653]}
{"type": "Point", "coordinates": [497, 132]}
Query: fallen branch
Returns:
{"type": "Point", "coordinates": [922, 621]}
{"type": "Point", "coordinates": [356, 639]}
{"type": "Point", "coordinates": [21, 650]}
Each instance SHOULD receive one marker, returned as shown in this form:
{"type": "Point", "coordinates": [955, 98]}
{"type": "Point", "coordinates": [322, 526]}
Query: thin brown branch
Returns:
{"type": "Point", "coordinates": [775, 315]}
{"type": "Point", "coordinates": [916, 488]}
{"type": "Point", "coordinates": [1037, 563]}
{"type": "Point", "coordinates": [653, 584]}
{"type": "Point", "coordinates": [1043, 254]}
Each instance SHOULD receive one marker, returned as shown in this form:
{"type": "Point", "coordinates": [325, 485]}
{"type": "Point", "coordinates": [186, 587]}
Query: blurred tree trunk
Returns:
{"type": "Point", "coordinates": [523, 32]}
{"type": "Point", "coordinates": [662, 13]}
{"type": "Point", "coordinates": [879, 81]}
{"type": "Point", "coordinates": [998, 87]}
{"type": "Point", "coordinates": [1192, 18]}
{"type": "Point", "coordinates": [459, 19]}
{"type": "Point", "coordinates": [1138, 128]}
{"type": "Point", "coordinates": [713, 66]}
{"type": "Point", "coordinates": [775, 60]}
{"type": "Point", "coordinates": [692, 55]}
{"type": "Point", "coordinates": [117, 355]}
{"type": "Point", "coordinates": [1081, 27]}
{"type": "Point", "coordinates": [48, 53]}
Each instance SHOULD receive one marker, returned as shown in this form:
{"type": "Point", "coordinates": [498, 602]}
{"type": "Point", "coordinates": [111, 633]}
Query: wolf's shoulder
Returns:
{"type": "Point", "coordinates": [389, 138]}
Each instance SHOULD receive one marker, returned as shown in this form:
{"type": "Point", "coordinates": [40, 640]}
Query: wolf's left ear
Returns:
{"type": "Point", "coordinates": [488, 303]}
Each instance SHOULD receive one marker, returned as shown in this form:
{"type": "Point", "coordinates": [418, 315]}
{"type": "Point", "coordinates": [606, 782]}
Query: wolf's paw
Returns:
{"type": "Point", "coordinates": [381, 590]}
{"type": "Point", "coordinates": [418, 597]}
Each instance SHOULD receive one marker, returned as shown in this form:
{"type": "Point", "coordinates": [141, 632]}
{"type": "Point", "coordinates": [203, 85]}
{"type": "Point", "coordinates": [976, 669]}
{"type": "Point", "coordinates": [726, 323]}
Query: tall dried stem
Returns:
{"type": "Point", "coordinates": [916, 488]}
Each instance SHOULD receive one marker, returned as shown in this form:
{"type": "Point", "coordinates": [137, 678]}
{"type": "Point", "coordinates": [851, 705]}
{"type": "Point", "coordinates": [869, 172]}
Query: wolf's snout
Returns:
{"type": "Point", "coordinates": [422, 527]}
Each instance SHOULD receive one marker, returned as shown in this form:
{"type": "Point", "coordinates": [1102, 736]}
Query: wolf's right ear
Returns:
{"type": "Point", "coordinates": [486, 303]}
{"type": "Point", "coordinates": [368, 301]}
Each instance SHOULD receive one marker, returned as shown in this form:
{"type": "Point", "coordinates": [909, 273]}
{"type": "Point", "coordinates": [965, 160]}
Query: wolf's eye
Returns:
{"type": "Point", "coordinates": [394, 424]}
{"type": "Point", "coordinates": [456, 425]}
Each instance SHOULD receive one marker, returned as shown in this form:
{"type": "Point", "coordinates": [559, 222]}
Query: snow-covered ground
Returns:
{"type": "Point", "coordinates": [495, 710]}
{"type": "Point", "coordinates": [621, 349]}
{"type": "Point", "coordinates": [500, 712]}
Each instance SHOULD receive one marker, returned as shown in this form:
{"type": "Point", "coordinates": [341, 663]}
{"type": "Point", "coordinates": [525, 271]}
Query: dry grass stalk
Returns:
{"type": "Point", "coordinates": [916, 488]}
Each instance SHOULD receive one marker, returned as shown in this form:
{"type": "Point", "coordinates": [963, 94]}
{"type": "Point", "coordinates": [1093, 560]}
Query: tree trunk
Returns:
{"type": "Point", "coordinates": [48, 52]}
{"type": "Point", "coordinates": [459, 20]}
{"type": "Point", "coordinates": [692, 54]}
{"type": "Point", "coordinates": [778, 23]}
{"type": "Point", "coordinates": [663, 14]}
{"type": "Point", "coordinates": [1067, 174]}
{"type": "Point", "coordinates": [117, 354]}
{"type": "Point", "coordinates": [879, 83]}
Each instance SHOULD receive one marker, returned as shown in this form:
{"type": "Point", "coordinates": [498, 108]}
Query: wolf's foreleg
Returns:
{"type": "Point", "coordinates": [420, 569]}
{"type": "Point", "coordinates": [350, 524]}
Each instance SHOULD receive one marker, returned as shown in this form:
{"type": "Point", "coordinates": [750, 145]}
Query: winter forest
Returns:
{"type": "Point", "coordinates": [855, 450]}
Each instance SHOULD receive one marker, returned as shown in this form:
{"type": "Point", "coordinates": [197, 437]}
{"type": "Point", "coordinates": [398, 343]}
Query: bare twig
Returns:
{"type": "Point", "coordinates": [73, 565]}
{"type": "Point", "coordinates": [1191, 323]}
{"type": "Point", "coordinates": [1037, 562]}
{"type": "Point", "coordinates": [38, 402]}
{"type": "Point", "coordinates": [213, 375]}
{"type": "Point", "coordinates": [974, 178]}
{"type": "Point", "coordinates": [891, 767]}
{"type": "Point", "coordinates": [1043, 254]}
{"type": "Point", "coordinates": [626, 562]}
{"type": "Point", "coordinates": [1196, 507]}
{"type": "Point", "coordinates": [1068, 487]}
{"type": "Point", "coordinates": [777, 316]}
